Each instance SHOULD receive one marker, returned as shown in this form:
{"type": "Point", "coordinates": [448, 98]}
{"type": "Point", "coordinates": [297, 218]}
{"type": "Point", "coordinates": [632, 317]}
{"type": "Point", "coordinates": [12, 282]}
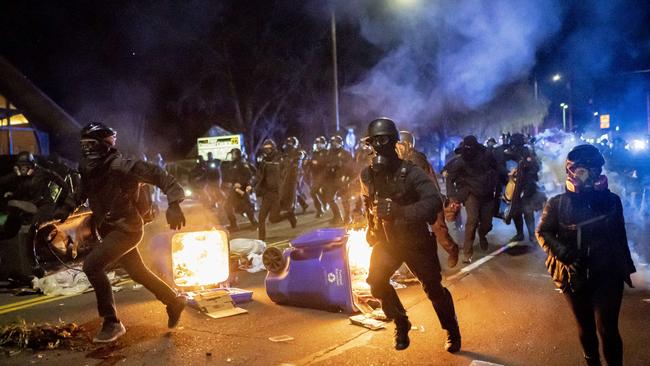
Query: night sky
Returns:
{"type": "Point", "coordinates": [168, 70]}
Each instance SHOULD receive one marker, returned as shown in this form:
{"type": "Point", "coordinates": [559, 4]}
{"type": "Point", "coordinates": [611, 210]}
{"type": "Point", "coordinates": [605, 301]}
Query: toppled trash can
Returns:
{"type": "Point", "coordinates": [313, 272]}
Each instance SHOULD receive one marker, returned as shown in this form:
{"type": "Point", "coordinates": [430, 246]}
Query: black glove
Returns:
{"type": "Point", "coordinates": [388, 209]}
{"type": "Point", "coordinates": [175, 217]}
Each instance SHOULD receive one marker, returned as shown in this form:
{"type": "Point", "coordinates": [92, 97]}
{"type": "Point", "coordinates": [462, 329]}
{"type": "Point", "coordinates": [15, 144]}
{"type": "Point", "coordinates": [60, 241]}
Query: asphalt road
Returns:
{"type": "Point", "coordinates": [508, 309]}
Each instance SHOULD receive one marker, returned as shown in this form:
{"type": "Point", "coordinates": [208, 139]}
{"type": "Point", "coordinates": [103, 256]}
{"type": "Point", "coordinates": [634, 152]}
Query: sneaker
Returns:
{"type": "Point", "coordinates": [293, 221]}
{"type": "Point", "coordinates": [110, 332]}
{"type": "Point", "coordinates": [174, 311]}
{"type": "Point", "coordinates": [518, 237]}
{"type": "Point", "coordinates": [467, 259]}
{"type": "Point", "coordinates": [319, 214]}
{"type": "Point", "coordinates": [483, 244]}
{"type": "Point", "coordinates": [452, 260]}
{"type": "Point", "coordinates": [402, 340]}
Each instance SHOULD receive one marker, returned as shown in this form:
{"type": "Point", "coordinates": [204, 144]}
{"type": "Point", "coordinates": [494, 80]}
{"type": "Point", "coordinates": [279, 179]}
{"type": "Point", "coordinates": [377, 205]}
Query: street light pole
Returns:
{"type": "Point", "coordinates": [564, 107]}
{"type": "Point", "coordinates": [335, 71]}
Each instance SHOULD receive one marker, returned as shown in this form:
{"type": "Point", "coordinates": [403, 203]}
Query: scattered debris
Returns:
{"type": "Point", "coordinates": [209, 354]}
{"type": "Point", "coordinates": [215, 304]}
{"type": "Point", "coordinates": [282, 338]}
{"type": "Point", "coordinates": [367, 322]}
{"type": "Point", "coordinates": [20, 335]}
{"type": "Point", "coordinates": [137, 286]}
{"type": "Point", "coordinates": [646, 301]}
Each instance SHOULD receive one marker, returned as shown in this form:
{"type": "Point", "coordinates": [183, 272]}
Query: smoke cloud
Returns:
{"type": "Point", "coordinates": [453, 57]}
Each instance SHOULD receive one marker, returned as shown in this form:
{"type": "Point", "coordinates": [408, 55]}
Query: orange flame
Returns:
{"type": "Point", "coordinates": [200, 258]}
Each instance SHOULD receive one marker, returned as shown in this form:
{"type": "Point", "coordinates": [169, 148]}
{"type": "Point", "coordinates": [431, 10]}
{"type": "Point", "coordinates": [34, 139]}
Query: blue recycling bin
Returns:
{"type": "Point", "coordinates": [313, 272]}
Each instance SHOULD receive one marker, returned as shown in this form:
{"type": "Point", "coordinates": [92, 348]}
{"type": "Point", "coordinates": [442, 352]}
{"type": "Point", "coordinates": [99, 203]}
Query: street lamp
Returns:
{"type": "Point", "coordinates": [564, 107]}
{"type": "Point", "coordinates": [557, 78]}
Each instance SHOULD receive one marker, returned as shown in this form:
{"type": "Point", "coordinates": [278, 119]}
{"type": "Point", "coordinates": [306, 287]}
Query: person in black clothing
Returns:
{"type": "Point", "coordinates": [292, 158]}
{"type": "Point", "coordinates": [406, 151]}
{"type": "Point", "coordinates": [472, 179]}
{"type": "Point", "coordinates": [400, 200]}
{"type": "Point", "coordinates": [362, 159]}
{"type": "Point", "coordinates": [213, 176]}
{"type": "Point", "coordinates": [237, 182]}
{"type": "Point", "coordinates": [30, 192]}
{"type": "Point", "coordinates": [338, 176]}
{"type": "Point", "coordinates": [524, 206]}
{"type": "Point", "coordinates": [583, 233]}
{"type": "Point", "coordinates": [270, 178]}
{"type": "Point", "coordinates": [315, 173]}
{"type": "Point", "coordinates": [110, 183]}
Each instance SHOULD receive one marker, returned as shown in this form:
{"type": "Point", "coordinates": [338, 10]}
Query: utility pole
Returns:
{"type": "Point", "coordinates": [335, 72]}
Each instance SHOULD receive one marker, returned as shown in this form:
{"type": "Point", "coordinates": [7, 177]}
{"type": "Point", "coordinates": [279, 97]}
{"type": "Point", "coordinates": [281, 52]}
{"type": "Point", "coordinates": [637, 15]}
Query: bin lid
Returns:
{"type": "Point", "coordinates": [319, 237]}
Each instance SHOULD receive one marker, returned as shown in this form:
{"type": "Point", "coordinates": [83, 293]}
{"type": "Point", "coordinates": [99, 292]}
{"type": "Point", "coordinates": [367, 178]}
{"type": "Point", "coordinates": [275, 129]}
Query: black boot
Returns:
{"type": "Point", "coordinates": [402, 340]}
{"type": "Point", "coordinates": [452, 344]}
{"type": "Point", "coordinates": [292, 220]}
{"type": "Point", "coordinates": [174, 311]}
{"type": "Point", "coordinates": [593, 360]}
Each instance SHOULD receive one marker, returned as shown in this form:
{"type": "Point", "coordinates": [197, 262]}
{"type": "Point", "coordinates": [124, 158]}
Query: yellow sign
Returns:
{"type": "Point", "coordinates": [604, 121]}
{"type": "Point", "coordinates": [220, 146]}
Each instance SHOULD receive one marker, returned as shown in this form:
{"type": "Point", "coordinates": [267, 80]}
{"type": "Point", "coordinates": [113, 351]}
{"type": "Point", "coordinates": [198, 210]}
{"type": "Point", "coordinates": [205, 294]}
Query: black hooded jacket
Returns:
{"type": "Point", "coordinates": [603, 249]}
{"type": "Point", "coordinates": [477, 176]}
{"type": "Point", "coordinates": [112, 186]}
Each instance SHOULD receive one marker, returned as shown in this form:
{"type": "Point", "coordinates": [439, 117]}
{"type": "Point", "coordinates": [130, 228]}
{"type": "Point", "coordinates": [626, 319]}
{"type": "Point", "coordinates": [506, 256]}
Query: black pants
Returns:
{"type": "Point", "coordinates": [239, 204]}
{"type": "Point", "coordinates": [479, 216]}
{"type": "Point", "coordinates": [270, 208]}
{"type": "Point", "coordinates": [424, 264]}
{"type": "Point", "coordinates": [331, 191]}
{"type": "Point", "coordinates": [121, 247]}
{"type": "Point", "coordinates": [316, 193]}
{"type": "Point", "coordinates": [596, 310]}
{"type": "Point", "coordinates": [528, 215]}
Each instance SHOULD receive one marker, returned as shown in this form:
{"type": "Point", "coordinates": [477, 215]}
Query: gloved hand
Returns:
{"type": "Point", "coordinates": [388, 209]}
{"type": "Point", "coordinates": [175, 217]}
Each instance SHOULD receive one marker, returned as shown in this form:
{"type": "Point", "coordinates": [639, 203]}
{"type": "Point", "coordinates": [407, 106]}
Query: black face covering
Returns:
{"type": "Point", "coordinates": [386, 156]}
{"type": "Point", "coordinates": [92, 149]}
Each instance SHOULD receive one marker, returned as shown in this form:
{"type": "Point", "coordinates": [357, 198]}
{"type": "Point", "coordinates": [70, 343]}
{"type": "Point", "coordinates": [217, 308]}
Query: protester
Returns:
{"type": "Point", "coordinates": [583, 233]}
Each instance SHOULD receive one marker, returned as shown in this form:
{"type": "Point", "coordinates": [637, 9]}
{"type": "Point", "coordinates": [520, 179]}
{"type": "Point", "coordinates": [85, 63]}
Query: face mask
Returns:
{"type": "Point", "coordinates": [24, 170]}
{"type": "Point", "coordinates": [94, 149]}
{"type": "Point", "coordinates": [581, 179]}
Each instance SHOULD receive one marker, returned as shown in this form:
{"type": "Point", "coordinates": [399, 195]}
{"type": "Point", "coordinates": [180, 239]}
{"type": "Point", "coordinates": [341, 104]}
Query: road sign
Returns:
{"type": "Point", "coordinates": [220, 146]}
{"type": "Point", "coordinates": [604, 121]}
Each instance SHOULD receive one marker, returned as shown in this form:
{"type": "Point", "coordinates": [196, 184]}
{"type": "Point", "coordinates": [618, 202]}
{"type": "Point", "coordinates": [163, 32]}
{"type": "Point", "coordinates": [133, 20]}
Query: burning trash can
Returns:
{"type": "Point", "coordinates": [191, 260]}
{"type": "Point", "coordinates": [323, 269]}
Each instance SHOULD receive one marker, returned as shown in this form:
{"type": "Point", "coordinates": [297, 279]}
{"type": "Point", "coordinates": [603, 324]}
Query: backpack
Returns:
{"type": "Point", "coordinates": [144, 203]}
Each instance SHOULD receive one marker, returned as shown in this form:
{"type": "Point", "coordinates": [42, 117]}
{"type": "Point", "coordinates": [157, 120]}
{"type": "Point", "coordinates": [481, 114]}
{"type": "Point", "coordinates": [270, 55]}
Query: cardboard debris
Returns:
{"type": "Point", "coordinates": [367, 322]}
{"type": "Point", "coordinates": [282, 338]}
{"type": "Point", "coordinates": [217, 304]}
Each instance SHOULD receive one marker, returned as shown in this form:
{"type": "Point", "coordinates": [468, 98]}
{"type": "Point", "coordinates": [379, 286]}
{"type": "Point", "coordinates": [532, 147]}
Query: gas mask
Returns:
{"type": "Point", "coordinates": [581, 179]}
{"type": "Point", "coordinates": [385, 151]}
{"type": "Point", "coordinates": [24, 170]}
{"type": "Point", "coordinates": [96, 149]}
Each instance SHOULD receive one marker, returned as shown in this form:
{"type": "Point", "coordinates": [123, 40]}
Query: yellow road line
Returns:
{"type": "Point", "coordinates": [17, 303]}
{"type": "Point", "coordinates": [8, 308]}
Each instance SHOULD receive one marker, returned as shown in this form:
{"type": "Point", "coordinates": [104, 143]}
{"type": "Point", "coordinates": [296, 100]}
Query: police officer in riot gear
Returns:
{"type": "Point", "coordinates": [339, 174]}
{"type": "Point", "coordinates": [237, 182]}
{"type": "Point", "coordinates": [292, 159]}
{"type": "Point", "coordinates": [110, 183]}
{"type": "Point", "coordinates": [270, 179]}
{"type": "Point", "coordinates": [315, 173]}
{"type": "Point", "coordinates": [406, 151]}
{"type": "Point", "coordinates": [401, 199]}
{"type": "Point", "coordinates": [523, 209]}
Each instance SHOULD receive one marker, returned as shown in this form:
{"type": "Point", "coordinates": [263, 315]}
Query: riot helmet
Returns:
{"type": "Point", "coordinates": [584, 165]}
{"type": "Point", "coordinates": [405, 144]}
{"type": "Point", "coordinates": [320, 143]}
{"type": "Point", "coordinates": [236, 154]}
{"type": "Point", "coordinates": [292, 142]}
{"type": "Point", "coordinates": [491, 142]}
{"type": "Point", "coordinates": [382, 136]}
{"type": "Point", "coordinates": [25, 164]}
{"type": "Point", "coordinates": [336, 142]}
{"type": "Point", "coordinates": [97, 140]}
